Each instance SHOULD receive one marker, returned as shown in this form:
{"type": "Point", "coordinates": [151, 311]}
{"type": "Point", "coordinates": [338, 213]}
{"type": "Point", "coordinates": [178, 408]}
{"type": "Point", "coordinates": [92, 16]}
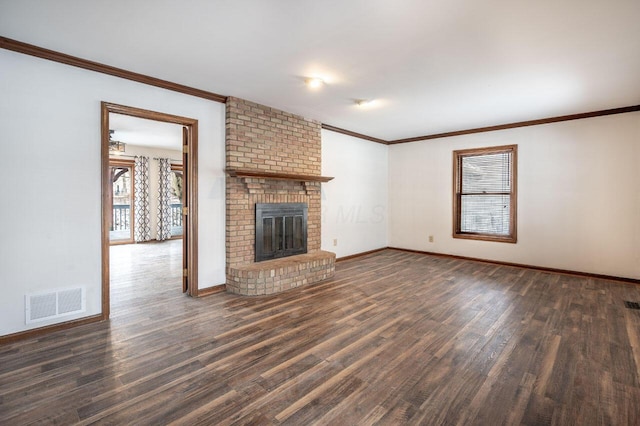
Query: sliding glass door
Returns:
{"type": "Point", "coordinates": [122, 214]}
{"type": "Point", "coordinates": [177, 195]}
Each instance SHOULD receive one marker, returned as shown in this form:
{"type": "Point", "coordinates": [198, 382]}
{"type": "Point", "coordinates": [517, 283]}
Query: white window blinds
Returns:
{"type": "Point", "coordinates": [485, 194]}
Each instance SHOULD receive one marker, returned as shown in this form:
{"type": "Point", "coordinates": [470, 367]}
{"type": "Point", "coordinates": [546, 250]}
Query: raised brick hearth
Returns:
{"type": "Point", "coordinates": [274, 276]}
{"type": "Point", "coordinates": [269, 141]}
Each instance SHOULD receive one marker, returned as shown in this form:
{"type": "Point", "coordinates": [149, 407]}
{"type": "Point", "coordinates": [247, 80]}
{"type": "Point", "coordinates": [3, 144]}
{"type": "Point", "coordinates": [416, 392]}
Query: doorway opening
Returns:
{"type": "Point", "coordinates": [169, 211]}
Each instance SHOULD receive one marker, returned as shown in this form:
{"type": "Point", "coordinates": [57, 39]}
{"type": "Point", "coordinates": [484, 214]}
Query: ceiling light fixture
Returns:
{"type": "Point", "coordinates": [314, 82]}
{"type": "Point", "coordinates": [363, 103]}
{"type": "Point", "coordinates": [115, 147]}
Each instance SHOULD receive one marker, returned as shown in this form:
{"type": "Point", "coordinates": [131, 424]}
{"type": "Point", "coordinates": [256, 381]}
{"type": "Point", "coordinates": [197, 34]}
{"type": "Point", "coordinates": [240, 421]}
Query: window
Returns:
{"type": "Point", "coordinates": [484, 193]}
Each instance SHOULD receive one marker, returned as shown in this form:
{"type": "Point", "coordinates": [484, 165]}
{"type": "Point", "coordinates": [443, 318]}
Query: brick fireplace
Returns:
{"type": "Point", "coordinates": [271, 157]}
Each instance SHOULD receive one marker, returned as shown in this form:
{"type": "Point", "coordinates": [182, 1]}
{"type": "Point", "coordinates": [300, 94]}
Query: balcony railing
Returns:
{"type": "Point", "coordinates": [122, 214]}
{"type": "Point", "coordinates": [176, 215]}
{"type": "Point", "coordinates": [121, 217]}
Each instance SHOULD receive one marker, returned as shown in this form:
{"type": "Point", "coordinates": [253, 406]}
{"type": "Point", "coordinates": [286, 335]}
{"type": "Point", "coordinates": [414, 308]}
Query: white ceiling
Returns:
{"type": "Point", "coordinates": [147, 133]}
{"type": "Point", "coordinates": [433, 66]}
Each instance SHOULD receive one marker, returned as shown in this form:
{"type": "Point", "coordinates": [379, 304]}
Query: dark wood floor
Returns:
{"type": "Point", "coordinates": [394, 338]}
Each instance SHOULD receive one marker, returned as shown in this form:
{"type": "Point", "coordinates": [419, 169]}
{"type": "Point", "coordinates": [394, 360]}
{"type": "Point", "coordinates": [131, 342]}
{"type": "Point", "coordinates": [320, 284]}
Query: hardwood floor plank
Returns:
{"type": "Point", "coordinates": [327, 384]}
{"type": "Point", "coordinates": [393, 338]}
{"type": "Point", "coordinates": [522, 397]}
{"type": "Point", "coordinates": [545, 368]}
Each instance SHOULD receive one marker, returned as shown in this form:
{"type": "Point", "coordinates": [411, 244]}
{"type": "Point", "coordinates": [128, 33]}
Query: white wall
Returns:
{"type": "Point", "coordinates": [578, 196]}
{"type": "Point", "coordinates": [51, 204]}
{"type": "Point", "coordinates": [354, 204]}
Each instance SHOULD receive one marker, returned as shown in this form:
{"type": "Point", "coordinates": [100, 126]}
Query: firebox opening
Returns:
{"type": "Point", "coordinates": [281, 230]}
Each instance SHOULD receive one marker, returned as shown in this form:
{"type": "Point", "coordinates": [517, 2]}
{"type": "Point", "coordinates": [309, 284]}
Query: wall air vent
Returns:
{"type": "Point", "coordinates": [632, 305]}
{"type": "Point", "coordinates": [54, 304]}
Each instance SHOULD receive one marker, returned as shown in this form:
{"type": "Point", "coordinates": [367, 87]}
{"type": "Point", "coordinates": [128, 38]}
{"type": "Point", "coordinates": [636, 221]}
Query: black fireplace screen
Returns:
{"type": "Point", "coordinates": [281, 230]}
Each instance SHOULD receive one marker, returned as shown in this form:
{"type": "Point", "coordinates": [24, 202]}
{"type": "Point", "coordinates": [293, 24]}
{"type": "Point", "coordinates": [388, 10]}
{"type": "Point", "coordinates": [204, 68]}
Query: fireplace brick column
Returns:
{"type": "Point", "coordinates": [265, 139]}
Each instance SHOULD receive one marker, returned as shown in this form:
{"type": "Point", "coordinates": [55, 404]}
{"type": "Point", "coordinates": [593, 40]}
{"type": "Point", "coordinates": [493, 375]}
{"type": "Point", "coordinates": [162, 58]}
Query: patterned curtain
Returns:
{"type": "Point", "coordinates": [164, 201]}
{"type": "Point", "coordinates": [142, 220]}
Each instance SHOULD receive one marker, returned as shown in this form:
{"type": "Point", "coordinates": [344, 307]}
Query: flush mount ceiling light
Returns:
{"type": "Point", "coordinates": [365, 103]}
{"type": "Point", "coordinates": [314, 82]}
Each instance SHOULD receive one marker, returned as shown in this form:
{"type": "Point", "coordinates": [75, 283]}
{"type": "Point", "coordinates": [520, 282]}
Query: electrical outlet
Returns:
{"type": "Point", "coordinates": [430, 238]}
{"type": "Point", "coordinates": [335, 242]}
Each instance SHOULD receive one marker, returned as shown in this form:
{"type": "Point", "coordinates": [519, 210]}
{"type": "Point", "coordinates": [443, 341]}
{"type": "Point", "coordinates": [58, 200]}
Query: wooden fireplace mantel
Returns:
{"type": "Point", "coordinates": [247, 173]}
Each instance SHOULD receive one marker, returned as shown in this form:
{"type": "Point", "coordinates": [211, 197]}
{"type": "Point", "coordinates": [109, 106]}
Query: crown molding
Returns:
{"type": "Point", "coordinates": [354, 134]}
{"type": "Point", "coordinates": [557, 119]}
{"type": "Point", "coordinates": [32, 50]}
{"type": "Point", "coordinates": [548, 120]}
{"type": "Point", "coordinates": [39, 52]}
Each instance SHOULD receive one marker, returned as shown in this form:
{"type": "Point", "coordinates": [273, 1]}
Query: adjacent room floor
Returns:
{"type": "Point", "coordinates": [393, 338]}
{"type": "Point", "coordinates": [144, 276]}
